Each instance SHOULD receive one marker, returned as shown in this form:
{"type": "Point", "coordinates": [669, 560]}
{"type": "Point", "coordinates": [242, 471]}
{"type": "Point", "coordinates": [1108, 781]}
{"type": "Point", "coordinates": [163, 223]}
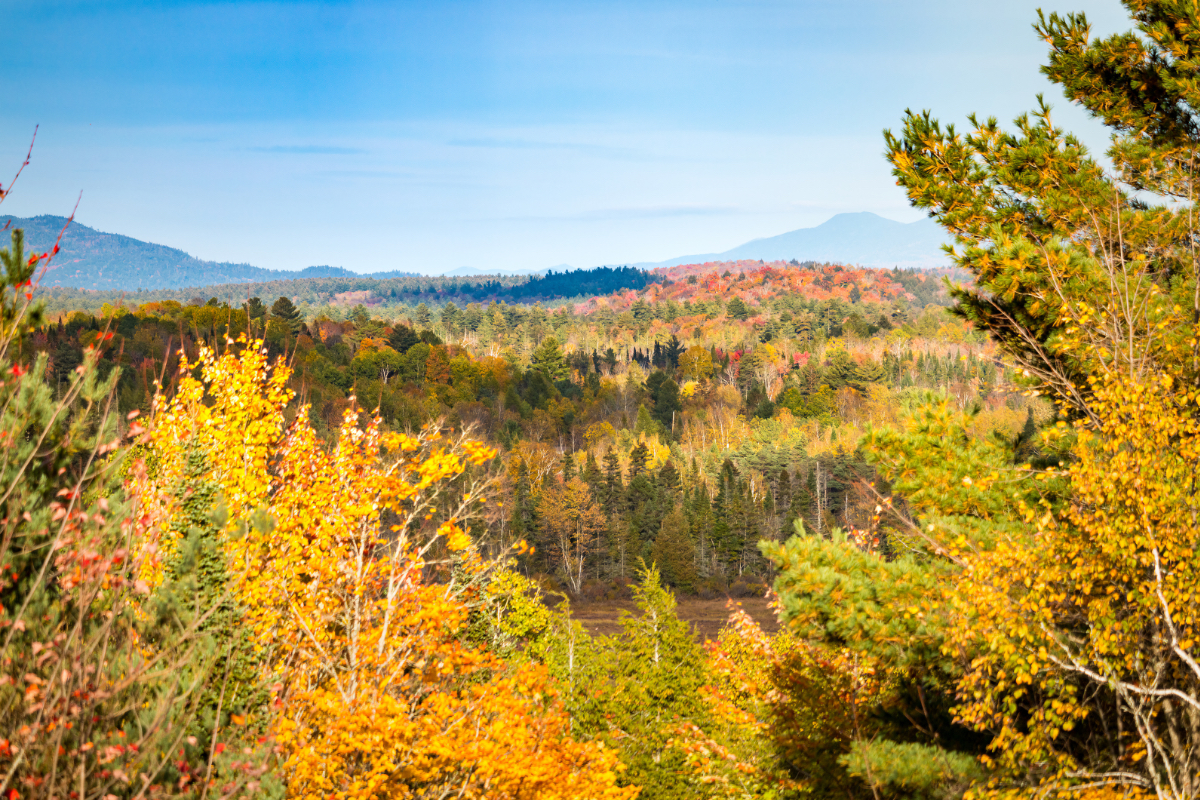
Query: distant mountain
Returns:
{"type": "Point", "coordinates": [90, 259]}
{"type": "Point", "coordinates": [862, 238]}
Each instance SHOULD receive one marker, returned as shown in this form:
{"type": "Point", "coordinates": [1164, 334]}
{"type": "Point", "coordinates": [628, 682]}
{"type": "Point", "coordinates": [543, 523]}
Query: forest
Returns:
{"type": "Point", "coordinates": [317, 293]}
{"type": "Point", "coordinates": [725, 422]}
{"type": "Point", "coordinates": [276, 547]}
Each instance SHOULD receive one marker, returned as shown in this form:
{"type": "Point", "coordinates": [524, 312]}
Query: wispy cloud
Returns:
{"type": "Point", "coordinates": [309, 149]}
{"type": "Point", "coordinates": [506, 143]}
{"type": "Point", "coordinates": [651, 212]}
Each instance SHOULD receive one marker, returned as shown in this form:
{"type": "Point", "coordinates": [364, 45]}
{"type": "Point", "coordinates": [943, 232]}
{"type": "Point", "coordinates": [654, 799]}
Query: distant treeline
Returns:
{"type": "Point", "coordinates": [347, 290]}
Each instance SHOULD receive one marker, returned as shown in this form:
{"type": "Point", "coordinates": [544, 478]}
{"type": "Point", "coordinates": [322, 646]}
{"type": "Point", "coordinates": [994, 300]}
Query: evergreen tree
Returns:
{"type": "Point", "coordinates": [737, 309]}
{"type": "Point", "coordinates": [841, 369]}
{"type": "Point", "coordinates": [593, 477]}
{"type": "Point", "coordinates": [451, 318]}
{"type": "Point", "coordinates": [654, 684]}
{"type": "Point", "coordinates": [255, 309]}
{"type": "Point", "coordinates": [668, 478]}
{"type": "Point", "coordinates": [610, 360]}
{"type": "Point", "coordinates": [422, 317]}
{"type": "Point", "coordinates": [285, 311]}
{"type": "Point", "coordinates": [548, 360]}
{"type": "Point", "coordinates": [524, 513]}
{"type": "Point", "coordinates": [402, 338]}
{"type": "Point", "coordinates": [200, 557]}
{"type": "Point", "coordinates": [645, 423]}
{"type": "Point", "coordinates": [639, 457]}
{"type": "Point", "coordinates": [666, 403]}
{"type": "Point", "coordinates": [614, 485]}
{"type": "Point", "coordinates": [673, 553]}
{"type": "Point", "coordinates": [672, 351]}
{"type": "Point", "coordinates": [642, 312]}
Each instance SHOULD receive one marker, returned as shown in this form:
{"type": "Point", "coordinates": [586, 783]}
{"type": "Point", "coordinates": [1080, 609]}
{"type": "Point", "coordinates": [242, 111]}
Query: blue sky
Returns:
{"type": "Point", "coordinates": [427, 136]}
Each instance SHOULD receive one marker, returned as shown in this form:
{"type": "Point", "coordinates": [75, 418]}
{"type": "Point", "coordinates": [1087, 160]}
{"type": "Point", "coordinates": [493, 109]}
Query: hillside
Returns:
{"type": "Point", "coordinates": [91, 259]}
{"type": "Point", "coordinates": [864, 238]}
{"type": "Point", "coordinates": [381, 290]}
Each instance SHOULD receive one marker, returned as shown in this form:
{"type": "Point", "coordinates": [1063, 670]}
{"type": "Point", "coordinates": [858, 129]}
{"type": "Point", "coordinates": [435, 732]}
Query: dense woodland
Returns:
{"type": "Point", "coordinates": [330, 548]}
{"type": "Point", "coordinates": [333, 290]}
{"type": "Point", "coordinates": [683, 428]}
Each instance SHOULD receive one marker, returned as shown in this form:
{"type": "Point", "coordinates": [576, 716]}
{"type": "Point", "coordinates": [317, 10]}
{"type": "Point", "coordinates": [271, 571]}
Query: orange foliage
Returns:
{"type": "Point", "coordinates": [377, 690]}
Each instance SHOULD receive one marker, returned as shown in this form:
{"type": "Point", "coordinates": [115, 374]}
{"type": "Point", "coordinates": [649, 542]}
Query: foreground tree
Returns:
{"type": "Point", "coordinates": [101, 677]}
{"type": "Point", "coordinates": [358, 579]}
{"type": "Point", "coordinates": [1053, 601]}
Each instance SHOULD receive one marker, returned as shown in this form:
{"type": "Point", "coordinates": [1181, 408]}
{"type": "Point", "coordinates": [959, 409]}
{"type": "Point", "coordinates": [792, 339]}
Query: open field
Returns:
{"type": "Point", "coordinates": [706, 617]}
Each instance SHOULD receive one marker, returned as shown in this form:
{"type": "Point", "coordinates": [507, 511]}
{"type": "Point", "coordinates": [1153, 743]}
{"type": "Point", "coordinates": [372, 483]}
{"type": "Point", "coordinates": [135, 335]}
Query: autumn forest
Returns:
{"type": "Point", "coordinates": [342, 538]}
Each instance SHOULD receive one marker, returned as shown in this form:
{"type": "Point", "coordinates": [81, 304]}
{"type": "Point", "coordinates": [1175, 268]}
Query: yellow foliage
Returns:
{"type": "Point", "coordinates": [378, 692]}
{"type": "Point", "coordinates": [1119, 562]}
{"type": "Point", "coordinates": [233, 411]}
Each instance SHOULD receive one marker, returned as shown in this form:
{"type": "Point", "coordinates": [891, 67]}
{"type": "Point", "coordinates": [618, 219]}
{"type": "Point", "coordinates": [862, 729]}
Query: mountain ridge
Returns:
{"type": "Point", "coordinates": [860, 237]}
{"type": "Point", "coordinates": [92, 259]}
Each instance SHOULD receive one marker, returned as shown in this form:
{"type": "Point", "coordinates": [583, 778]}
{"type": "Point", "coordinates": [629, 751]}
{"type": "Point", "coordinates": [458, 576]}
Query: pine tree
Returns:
{"type": "Point", "coordinates": [639, 456]}
{"type": "Point", "coordinates": [422, 317]}
{"type": "Point", "coordinates": [654, 684]}
{"type": "Point", "coordinates": [672, 351]}
{"type": "Point", "coordinates": [285, 311]}
{"type": "Point", "coordinates": [593, 477]}
{"type": "Point", "coordinates": [255, 309]}
{"type": "Point", "coordinates": [548, 359]}
{"type": "Point", "coordinates": [674, 553]}
{"type": "Point", "coordinates": [645, 423]}
{"type": "Point", "coordinates": [666, 402]}
{"type": "Point", "coordinates": [614, 485]}
{"type": "Point", "coordinates": [737, 309]}
{"type": "Point", "coordinates": [668, 479]}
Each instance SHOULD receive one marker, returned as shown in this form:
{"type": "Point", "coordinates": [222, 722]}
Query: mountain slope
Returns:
{"type": "Point", "coordinates": [861, 238]}
{"type": "Point", "coordinates": [91, 259]}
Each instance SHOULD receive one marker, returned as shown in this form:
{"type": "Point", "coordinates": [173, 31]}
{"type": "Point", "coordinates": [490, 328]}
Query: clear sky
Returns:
{"type": "Point", "coordinates": [431, 135]}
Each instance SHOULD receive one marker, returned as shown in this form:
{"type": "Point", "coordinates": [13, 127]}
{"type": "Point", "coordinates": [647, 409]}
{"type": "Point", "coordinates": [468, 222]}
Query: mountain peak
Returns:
{"type": "Point", "coordinates": [857, 237]}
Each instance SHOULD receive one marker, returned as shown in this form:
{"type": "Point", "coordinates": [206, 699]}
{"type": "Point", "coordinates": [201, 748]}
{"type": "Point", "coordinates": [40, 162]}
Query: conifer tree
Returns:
{"type": "Point", "coordinates": [201, 554]}
{"type": "Point", "coordinates": [593, 477]}
{"type": "Point", "coordinates": [1047, 608]}
{"type": "Point", "coordinates": [614, 485]}
{"type": "Point", "coordinates": [668, 479]}
{"type": "Point", "coordinates": [638, 456]}
{"type": "Point", "coordinates": [658, 670]}
{"type": "Point", "coordinates": [286, 312]}
{"type": "Point", "coordinates": [422, 317]}
{"type": "Point", "coordinates": [737, 309]}
{"type": "Point", "coordinates": [255, 309]}
{"type": "Point", "coordinates": [673, 553]}
{"type": "Point", "coordinates": [548, 359]}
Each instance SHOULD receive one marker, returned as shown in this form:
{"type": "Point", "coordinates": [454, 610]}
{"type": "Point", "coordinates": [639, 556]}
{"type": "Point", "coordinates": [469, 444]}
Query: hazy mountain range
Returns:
{"type": "Point", "coordinates": [91, 259]}
{"type": "Point", "coordinates": [861, 238]}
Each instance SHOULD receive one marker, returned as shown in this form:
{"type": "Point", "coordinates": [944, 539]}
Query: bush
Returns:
{"type": "Point", "coordinates": [746, 586]}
